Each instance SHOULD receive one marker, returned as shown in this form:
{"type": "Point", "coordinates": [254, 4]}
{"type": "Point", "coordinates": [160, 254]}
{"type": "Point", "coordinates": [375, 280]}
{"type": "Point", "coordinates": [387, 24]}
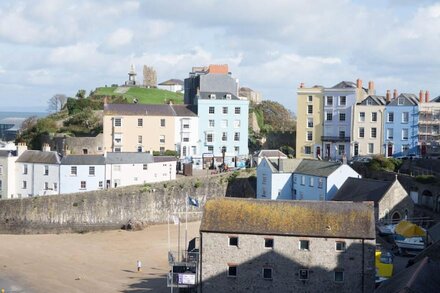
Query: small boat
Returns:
{"type": "Point", "coordinates": [386, 229]}
{"type": "Point", "coordinates": [410, 244]}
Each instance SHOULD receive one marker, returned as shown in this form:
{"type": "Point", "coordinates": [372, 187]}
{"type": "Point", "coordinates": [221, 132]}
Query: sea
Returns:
{"type": "Point", "coordinates": [5, 114]}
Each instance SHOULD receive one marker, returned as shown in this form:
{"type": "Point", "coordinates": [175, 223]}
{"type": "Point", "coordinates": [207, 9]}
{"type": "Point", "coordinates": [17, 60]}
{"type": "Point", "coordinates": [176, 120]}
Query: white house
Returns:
{"type": "Point", "coordinates": [7, 173]}
{"type": "Point", "coordinates": [301, 179]}
{"type": "Point", "coordinates": [80, 173]}
{"type": "Point", "coordinates": [186, 131]}
{"type": "Point", "coordinates": [270, 154]}
{"type": "Point", "coordinates": [37, 173]}
{"type": "Point", "coordinates": [123, 169]}
{"type": "Point", "coordinates": [172, 85]}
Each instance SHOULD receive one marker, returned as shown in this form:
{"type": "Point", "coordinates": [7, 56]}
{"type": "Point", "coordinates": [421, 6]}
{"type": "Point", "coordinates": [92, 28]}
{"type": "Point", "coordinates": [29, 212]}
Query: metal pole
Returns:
{"type": "Point", "coordinates": [178, 242]}
{"type": "Point", "coordinates": [186, 221]}
{"type": "Point", "coordinates": [169, 241]}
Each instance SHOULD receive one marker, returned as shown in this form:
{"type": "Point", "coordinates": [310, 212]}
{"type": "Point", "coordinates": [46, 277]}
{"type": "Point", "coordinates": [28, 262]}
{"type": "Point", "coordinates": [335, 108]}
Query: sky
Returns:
{"type": "Point", "coordinates": [50, 47]}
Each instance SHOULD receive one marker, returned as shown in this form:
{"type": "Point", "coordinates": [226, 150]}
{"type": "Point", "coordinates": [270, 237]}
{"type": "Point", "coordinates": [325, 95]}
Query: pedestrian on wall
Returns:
{"type": "Point", "coordinates": [139, 265]}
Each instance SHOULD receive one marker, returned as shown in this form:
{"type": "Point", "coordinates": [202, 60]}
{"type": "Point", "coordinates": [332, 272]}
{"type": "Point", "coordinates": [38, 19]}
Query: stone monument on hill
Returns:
{"type": "Point", "coordinates": [131, 76]}
{"type": "Point", "coordinates": [150, 77]}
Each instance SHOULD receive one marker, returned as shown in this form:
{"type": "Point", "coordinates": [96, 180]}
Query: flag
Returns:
{"type": "Point", "coordinates": [175, 219]}
{"type": "Point", "coordinates": [193, 201]}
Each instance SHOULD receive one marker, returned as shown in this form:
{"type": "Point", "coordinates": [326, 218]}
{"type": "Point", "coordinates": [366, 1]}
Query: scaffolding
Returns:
{"type": "Point", "coordinates": [429, 129]}
{"type": "Point", "coordinates": [184, 272]}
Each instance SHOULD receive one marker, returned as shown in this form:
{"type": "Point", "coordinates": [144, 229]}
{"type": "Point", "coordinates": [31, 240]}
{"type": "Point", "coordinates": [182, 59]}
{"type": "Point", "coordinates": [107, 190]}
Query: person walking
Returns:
{"type": "Point", "coordinates": [139, 265]}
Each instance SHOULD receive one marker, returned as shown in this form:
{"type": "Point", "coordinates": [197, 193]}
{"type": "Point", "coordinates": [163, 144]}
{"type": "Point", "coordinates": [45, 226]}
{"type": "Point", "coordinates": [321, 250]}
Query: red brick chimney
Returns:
{"type": "Point", "coordinates": [301, 85]}
{"type": "Point", "coordinates": [388, 96]}
{"type": "Point", "coordinates": [359, 83]}
{"type": "Point", "coordinates": [395, 94]}
{"type": "Point", "coordinates": [426, 96]}
{"type": "Point", "coordinates": [421, 96]}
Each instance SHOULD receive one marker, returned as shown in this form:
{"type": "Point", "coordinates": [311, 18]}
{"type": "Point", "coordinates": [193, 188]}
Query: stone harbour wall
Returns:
{"type": "Point", "coordinates": [112, 208]}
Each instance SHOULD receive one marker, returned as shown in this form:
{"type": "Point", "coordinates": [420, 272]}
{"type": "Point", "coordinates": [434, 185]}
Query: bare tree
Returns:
{"type": "Point", "coordinates": [57, 102]}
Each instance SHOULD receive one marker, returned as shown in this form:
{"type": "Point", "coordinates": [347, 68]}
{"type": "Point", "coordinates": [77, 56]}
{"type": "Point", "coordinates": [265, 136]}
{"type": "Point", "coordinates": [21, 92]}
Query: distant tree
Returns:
{"type": "Point", "coordinates": [56, 103]}
{"type": "Point", "coordinates": [28, 123]}
{"type": "Point", "coordinates": [81, 94]}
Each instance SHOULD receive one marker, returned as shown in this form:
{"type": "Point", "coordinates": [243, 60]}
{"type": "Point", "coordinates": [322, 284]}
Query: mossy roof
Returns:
{"type": "Point", "coordinates": [293, 218]}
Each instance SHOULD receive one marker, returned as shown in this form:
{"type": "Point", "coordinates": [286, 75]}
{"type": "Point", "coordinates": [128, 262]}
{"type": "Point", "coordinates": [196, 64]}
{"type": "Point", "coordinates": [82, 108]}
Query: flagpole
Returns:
{"type": "Point", "coordinates": [169, 243]}
{"type": "Point", "coordinates": [178, 242]}
{"type": "Point", "coordinates": [186, 221]}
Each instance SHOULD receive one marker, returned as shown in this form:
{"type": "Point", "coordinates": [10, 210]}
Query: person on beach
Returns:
{"type": "Point", "coordinates": [139, 265]}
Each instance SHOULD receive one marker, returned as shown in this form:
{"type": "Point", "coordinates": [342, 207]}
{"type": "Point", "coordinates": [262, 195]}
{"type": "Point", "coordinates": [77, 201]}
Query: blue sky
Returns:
{"type": "Point", "coordinates": [56, 46]}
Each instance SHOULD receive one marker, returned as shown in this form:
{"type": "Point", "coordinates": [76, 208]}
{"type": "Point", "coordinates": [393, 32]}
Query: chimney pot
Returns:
{"type": "Point", "coordinates": [301, 85]}
{"type": "Point", "coordinates": [421, 96]}
{"type": "Point", "coordinates": [359, 83]}
{"type": "Point", "coordinates": [395, 94]}
{"type": "Point", "coordinates": [426, 96]}
{"type": "Point", "coordinates": [388, 95]}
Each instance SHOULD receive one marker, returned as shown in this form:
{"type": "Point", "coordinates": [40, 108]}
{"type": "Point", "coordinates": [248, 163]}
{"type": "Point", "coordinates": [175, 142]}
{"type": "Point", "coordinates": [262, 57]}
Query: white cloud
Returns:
{"type": "Point", "coordinates": [268, 47]}
{"type": "Point", "coordinates": [119, 37]}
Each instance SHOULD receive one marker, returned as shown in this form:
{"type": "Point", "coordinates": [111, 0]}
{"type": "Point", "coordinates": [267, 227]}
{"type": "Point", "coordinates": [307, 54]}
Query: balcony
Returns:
{"type": "Point", "coordinates": [336, 138]}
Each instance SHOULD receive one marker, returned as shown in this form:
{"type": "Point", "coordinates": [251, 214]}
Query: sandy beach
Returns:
{"type": "Point", "coordinates": [91, 262]}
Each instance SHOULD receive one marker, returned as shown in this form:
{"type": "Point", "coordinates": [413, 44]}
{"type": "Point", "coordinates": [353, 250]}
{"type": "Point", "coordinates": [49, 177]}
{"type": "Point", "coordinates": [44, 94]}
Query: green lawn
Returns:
{"type": "Point", "coordinates": [144, 95]}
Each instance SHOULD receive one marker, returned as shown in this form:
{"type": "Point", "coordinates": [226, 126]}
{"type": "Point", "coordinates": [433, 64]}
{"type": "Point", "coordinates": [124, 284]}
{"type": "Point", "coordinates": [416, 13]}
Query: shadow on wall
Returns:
{"type": "Point", "coordinates": [290, 271]}
{"type": "Point", "coordinates": [241, 187]}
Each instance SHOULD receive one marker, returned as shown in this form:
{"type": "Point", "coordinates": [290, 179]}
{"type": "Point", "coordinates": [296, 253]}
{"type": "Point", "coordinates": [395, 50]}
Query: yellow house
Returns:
{"type": "Point", "coordinates": [309, 122]}
{"type": "Point", "coordinates": [138, 128]}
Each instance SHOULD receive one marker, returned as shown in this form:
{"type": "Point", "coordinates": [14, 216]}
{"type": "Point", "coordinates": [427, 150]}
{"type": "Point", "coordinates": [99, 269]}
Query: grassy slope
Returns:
{"type": "Point", "coordinates": [144, 95]}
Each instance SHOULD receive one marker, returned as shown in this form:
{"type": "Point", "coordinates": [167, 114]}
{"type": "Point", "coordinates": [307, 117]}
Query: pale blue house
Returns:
{"type": "Point", "coordinates": [301, 179]}
{"type": "Point", "coordinates": [401, 121]}
{"type": "Point", "coordinates": [223, 128]}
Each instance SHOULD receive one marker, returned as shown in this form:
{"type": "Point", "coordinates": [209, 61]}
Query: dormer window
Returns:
{"type": "Point", "coordinates": [400, 101]}
{"type": "Point", "coordinates": [212, 96]}
{"type": "Point", "coordinates": [228, 96]}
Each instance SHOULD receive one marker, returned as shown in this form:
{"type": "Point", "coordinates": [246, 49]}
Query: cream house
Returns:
{"type": "Point", "coordinates": [141, 128]}
{"type": "Point", "coordinates": [309, 122]}
{"type": "Point", "coordinates": [367, 133]}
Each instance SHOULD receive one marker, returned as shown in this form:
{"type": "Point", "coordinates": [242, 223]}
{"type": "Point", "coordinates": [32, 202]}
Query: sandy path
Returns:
{"type": "Point", "coordinates": [104, 261]}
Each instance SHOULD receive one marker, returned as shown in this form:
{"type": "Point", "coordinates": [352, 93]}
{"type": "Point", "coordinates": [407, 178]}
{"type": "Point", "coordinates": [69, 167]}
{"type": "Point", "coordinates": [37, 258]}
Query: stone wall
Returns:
{"type": "Point", "coordinates": [285, 260]}
{"type": "Point", "coordinates": [112, 208]}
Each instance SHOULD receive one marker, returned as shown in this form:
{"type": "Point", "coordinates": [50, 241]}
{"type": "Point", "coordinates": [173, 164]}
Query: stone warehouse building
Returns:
{"type": "Point", "coordinates": [252, 245]}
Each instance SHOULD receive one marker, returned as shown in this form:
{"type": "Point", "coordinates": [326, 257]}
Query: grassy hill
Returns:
{"type": "Point", "coordinates": [144, 95]}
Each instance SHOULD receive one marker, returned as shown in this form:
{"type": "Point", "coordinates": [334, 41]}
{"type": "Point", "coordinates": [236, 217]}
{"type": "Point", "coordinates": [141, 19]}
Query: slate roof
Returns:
{"type": "Point", "coordinates": [6, 153]}
{"type": "Point", "coordinates": [435, 100]}
{"type": "Point", "coordinates": [292, 217]}
{"type": "Point", "coordinates": [344, 85]}
{"type": "Point", "coordinates": [271, 153]}
{"type": "Point", "coordinates": [317, 168]}
{"type": "Point", "coordinates": [149, 110]}
{"type": "Point", "coordinates": [409, 100]}
{"type": "Point", "coordinates": [362, 189]}
{"type": "Point", "coordinates": [39, 157]}
{"type": "Point", "coordinates": [305, 166]}
{"type": "Point", "coordinates": [434, 232]}
{"type": "Point", "coordinates": [377, 100]}
{"type": "Point", "coordinates": [172, 82]}
{"type": "Point", "coordinates": [419, 278]}
{"type": "Point", "coordinates": [432, 251]}
{"type": "Point", "coordinates": [218, 95]}
{"type": "Point", "coordinates": [184, 110]}
{"type": "Point", "coordinates": [129, 158]}
{"type": "Point", "coordinates": [83, 160]}
{"type": "Point", "coordinates": [158, 159]}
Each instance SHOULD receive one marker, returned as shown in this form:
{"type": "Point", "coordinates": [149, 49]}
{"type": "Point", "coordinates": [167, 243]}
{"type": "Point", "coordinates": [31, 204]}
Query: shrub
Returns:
{"type": "Point", "coordinates": [426, 179]}
{"type": "Point", "coordinates": [198, 184]}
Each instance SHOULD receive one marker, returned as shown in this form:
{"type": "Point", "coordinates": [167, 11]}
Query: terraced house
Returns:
{"type": "Point", "coordinates": [148, 128]}
{"type": "Point", "coordinates": [223, 116]}
{"type": "Point", "coordinates": [287, 246]}
{"type": "Point", "coordinates": [309, 122]}
{"type": "Point", "coordinates": [367, 130]}
{"type": "Point", "coordinates": [401, 125]}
